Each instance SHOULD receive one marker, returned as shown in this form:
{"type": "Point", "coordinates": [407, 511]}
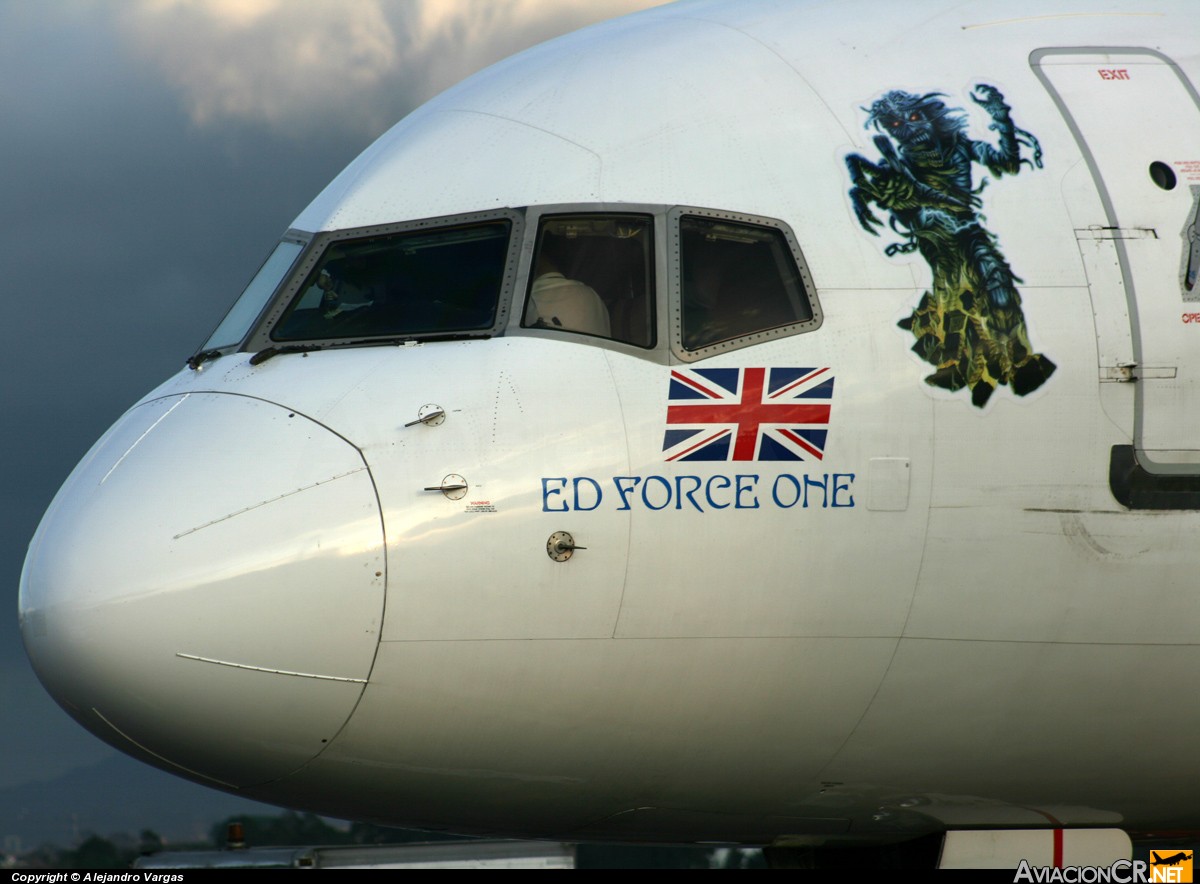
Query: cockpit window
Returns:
{"type": "Point", "coordinates": [593, 274]}
{"type": "Point", "coordinates": [416, 282]}
{"type": "Point", "coordinates": [737, 280]}
{"type": "Point", "coordinates": [243, 313]}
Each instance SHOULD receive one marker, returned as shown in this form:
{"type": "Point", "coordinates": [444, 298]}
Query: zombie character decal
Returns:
{"type": "Point", "coordinates": [969, 324]}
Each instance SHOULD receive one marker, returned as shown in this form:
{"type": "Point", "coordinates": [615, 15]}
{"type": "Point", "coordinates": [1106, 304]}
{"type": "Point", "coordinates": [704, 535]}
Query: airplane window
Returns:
{"type": "Point", "coordinates": [1162, 175]}
{"type": "Point", "coordinates": [593, 274]}
{"type": "Point", "coordinates": [251, 302]}
{"type": "Point", "coordinates": [737, 279]}
{"type": "Point", "coordinates": [417, 282]}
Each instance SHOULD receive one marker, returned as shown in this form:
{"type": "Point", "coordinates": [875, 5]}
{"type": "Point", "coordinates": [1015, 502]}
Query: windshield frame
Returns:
{"type": "Point", "coordinates": [808, 288]}
{"type": "Point", "coordinates": [260, 338]}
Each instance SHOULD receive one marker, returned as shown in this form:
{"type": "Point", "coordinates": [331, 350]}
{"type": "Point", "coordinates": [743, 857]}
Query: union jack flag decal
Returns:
{"type": "Point", "coordinates": [748, 413]}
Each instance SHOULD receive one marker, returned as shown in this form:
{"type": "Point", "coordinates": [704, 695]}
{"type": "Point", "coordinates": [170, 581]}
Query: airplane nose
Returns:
{"type": "Point", "coordinates": [206, 590]}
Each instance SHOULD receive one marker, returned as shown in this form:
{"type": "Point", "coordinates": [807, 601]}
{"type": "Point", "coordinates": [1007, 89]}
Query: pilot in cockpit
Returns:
{"type": "Point", "coordinates": [341, 288]}
{"type": "Point", "coordinates": [558, 302]}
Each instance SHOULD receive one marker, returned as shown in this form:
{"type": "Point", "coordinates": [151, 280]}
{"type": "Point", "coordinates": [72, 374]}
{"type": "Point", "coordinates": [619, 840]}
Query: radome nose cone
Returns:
{"type": "Point", "coordinates": [207, 588]}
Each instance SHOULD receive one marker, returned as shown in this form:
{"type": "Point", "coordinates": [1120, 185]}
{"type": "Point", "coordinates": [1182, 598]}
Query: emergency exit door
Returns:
{"type": "Point", "coordinates": [1137, 120]}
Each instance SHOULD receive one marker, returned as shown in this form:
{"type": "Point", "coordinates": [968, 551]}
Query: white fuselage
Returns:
{"type": "Point", "coordinates": [944, 618]}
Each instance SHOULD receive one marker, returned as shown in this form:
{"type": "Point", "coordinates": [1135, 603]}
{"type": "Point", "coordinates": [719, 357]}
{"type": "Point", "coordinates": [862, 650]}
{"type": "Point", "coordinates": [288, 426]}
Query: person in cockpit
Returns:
{"type": "Point", "coordinates": [568, 304]}
{"type": "Point", "coordinates": [341, 293]}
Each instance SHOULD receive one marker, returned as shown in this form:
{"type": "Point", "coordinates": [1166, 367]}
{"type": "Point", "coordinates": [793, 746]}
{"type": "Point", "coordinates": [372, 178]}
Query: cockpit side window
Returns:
{"type": "Point", "coordinates": [240, 318]}
{"type": "Point", "coordinates": [593, 274]}
{"type": "Point", "coordinates": [411, 283]}
{"type": "Point", "coordinates": [739, 283]}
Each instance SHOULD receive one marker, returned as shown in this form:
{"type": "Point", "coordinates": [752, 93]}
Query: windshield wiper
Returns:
{"type": "Point", "coordinates": [198, 359]}
{"type": "Point", "coordinates": [270, 352]}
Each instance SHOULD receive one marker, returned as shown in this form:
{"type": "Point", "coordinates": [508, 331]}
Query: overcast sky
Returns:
{"type": "Point", "coordinates": [151, 151]}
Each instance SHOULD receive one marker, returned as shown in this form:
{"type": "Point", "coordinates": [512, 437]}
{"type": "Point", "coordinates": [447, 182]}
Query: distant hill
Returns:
{"type": "Point", "coordinates": [115, 795]}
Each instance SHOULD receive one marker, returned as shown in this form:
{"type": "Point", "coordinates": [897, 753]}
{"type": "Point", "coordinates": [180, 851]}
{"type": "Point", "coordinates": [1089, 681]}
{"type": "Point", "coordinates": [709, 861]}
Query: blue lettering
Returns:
{"type": "Point", "coordinates": [796, 491]}
{"type": "Point", "coordinates": [745, 488]}
{"type": "Point", "coordinates": [813, 483]}
{"type": "Point", "coordinates": [646, 497]}
{"type": "Point", "coordinates": [680, 494]}
{"type": "Point", "coordinates": [723, 482]}
{"type": "Point", "coordinates": [659, 492]}
{"type": "Point", "coordinates": [596, 489]}
{"type": "Point", "coordinates": [623, 491]}
{"type": "Point", "coordinates": [849, 477]}
{"type": "Point", "coordinates": [547, 491]}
